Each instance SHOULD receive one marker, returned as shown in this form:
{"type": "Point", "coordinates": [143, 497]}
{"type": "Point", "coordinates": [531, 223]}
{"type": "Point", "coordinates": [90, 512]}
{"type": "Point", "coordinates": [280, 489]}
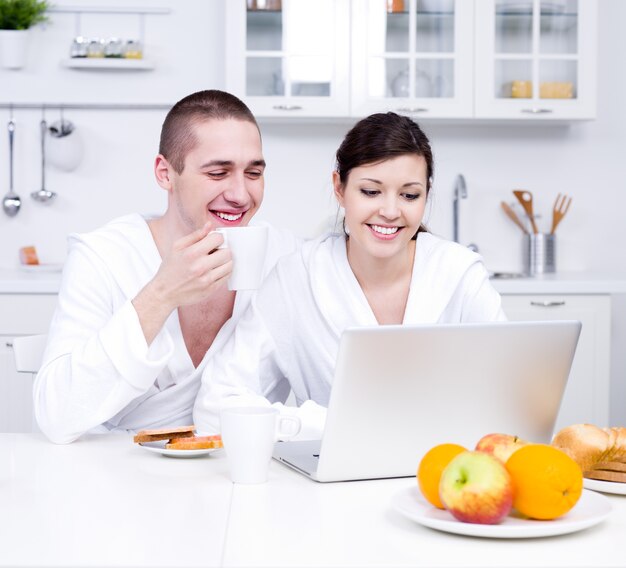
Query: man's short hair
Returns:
{"type": "Point", "coordinates": [177, 134]}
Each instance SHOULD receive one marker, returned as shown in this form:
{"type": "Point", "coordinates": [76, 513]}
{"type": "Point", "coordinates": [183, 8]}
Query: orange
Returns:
{"type": "Point", "coordinates": [429, 470]}
{"type": "Point", "coordinates": [547, 482]}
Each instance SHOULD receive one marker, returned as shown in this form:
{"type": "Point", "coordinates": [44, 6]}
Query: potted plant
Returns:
{"type": "Point", "coordinates": [16, 18]}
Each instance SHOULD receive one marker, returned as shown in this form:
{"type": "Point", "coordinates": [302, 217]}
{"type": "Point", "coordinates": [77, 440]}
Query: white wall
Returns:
{"type": "Point", "coordinates": [585, 160]}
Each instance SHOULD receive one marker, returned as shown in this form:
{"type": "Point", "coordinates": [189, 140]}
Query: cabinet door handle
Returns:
{"type": "Point", "coordinates": [412, 110]}
{"type": "Point", "coordinates": [287, 107]}
{"type": "Point", "coordinates": [9, 344]}
{"type": "Point", "coordinates": [548, 304]}
{"type": "Point", "coordinates": [537, 110]}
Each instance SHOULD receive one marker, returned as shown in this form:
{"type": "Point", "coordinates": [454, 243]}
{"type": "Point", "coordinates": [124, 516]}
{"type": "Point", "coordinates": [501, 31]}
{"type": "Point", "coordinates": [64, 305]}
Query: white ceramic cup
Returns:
{"type": "Point", "coordinates": [248, 246]}
{"type": "Point", "coordinates": [249, 435]}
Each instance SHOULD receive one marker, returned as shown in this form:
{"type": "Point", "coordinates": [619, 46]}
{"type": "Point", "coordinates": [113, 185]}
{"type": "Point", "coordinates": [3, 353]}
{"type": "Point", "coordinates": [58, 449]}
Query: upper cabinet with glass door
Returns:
{"type": "Point", "coordinates": [535, 58]}
{"type": "Point", "coordinates": [413, 57]}
{"type": "Point", "coordinates": [289, 58]}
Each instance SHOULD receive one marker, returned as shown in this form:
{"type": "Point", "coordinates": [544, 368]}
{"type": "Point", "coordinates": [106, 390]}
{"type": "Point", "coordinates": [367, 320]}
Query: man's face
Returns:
{"type": "Point", "coordinates": [222, 180]}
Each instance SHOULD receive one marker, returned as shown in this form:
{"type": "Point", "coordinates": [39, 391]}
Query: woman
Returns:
{"type": "Point", "coordinates": [385, 269]}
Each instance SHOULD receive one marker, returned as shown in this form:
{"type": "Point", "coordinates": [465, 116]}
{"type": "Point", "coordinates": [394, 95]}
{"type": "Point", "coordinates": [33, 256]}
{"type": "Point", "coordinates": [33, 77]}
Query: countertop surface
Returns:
{"type": "Point", "coordinates": [104, 501]}
{"type": "Point", "coordinates": [47, 279]}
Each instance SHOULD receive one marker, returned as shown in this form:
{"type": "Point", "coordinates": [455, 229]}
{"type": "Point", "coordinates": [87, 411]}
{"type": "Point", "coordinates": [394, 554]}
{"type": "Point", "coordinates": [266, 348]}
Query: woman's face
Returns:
{"type": "Point", "coordinates": [384, 204]}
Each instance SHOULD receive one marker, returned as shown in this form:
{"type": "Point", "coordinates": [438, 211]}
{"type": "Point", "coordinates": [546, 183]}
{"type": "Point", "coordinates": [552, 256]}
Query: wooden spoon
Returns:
{"type": "Point", "coordinates": [526, 199]}
{"type": "Point", "coordinates": [561, 205]}
{"type": "Point", "coordinates": [511, 215]}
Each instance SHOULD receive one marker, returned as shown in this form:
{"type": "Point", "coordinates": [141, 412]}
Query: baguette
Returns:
{"type": "Point", "coordinates": [163, 434]}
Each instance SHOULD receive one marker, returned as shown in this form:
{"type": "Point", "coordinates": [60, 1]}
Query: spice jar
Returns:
{"type": "Point", "coordinates": [95, 48]}
{"type": "Point", "coordinates": [113, 48]}
{"type": "Point", "coordinates": [133, 49]}
{"type": "Point", "coordinates": [78, 47]}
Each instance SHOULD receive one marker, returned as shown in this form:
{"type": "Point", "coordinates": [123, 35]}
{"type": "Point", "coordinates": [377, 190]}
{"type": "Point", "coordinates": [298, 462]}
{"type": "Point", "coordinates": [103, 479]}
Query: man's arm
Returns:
{"type": "Point", "coordinates": [101, 356]}
{"type": "Point", "coordinates": [189, 273]}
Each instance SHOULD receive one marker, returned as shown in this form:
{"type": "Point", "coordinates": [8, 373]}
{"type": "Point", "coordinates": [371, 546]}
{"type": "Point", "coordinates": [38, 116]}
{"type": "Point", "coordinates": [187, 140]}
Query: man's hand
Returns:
{"type": "Point", "coordinates": [192, 270]}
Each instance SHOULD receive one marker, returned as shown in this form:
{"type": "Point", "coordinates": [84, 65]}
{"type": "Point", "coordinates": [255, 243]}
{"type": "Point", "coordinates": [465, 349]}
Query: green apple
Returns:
{"type": "Point", "coordinates": [476, 488]}
{"type": "Point", "coordinates": [500, 445]}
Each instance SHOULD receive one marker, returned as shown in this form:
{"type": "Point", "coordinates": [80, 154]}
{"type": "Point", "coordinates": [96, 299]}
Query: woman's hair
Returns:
{"type": "Point", "coordinates": [177, 134]}
{"type": "Point", "coordinates": [380, 137]}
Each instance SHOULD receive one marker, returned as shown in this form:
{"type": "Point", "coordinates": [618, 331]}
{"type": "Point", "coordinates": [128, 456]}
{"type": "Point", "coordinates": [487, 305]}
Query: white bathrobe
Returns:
{"type": "Point", "coordinates": [98, 373]}
{"type": "Point", "coordinates": [289, 336]}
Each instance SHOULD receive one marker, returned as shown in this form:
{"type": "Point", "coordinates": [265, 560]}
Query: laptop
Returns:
{"type": "Point", "coordinates": [400, 390]}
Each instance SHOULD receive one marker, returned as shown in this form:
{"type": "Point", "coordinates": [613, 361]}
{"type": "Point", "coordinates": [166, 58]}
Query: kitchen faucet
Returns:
{"type": "Point", "coordinates": [460, 192]}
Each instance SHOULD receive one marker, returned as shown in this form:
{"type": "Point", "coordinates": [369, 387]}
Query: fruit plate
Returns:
{"type": "Point", "coordinates": [159, 448]}
{"type": "Point", "coordinates": [591, 509]}
{"type": "Point", "coordinates": [612, 487]}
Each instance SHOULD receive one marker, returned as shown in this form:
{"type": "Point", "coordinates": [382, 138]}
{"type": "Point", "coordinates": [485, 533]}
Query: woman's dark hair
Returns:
{"type": "Point", "coordinates": [380, 137]}
{"type": "Point", "coordinates": [177, 134]}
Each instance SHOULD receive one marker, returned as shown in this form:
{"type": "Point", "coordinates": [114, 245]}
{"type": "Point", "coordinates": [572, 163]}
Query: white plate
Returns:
{"type": "Point", "coordinates": [159, 448]}
{"type": "Point", "coordinates": [605, 486]}
{"type": "Point", "coordinates": [591, 509]}
{"type": "Point", "coordinates": [41, 267]}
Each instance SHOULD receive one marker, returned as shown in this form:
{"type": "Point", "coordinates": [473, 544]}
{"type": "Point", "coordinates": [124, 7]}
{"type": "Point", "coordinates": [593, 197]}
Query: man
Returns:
{"type": "Point", "coordinates": [144, 303]}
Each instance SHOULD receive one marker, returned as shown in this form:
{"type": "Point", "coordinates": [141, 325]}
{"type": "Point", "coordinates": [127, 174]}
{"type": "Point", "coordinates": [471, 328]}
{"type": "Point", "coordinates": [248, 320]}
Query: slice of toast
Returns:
{"type": "Point", "coordinates": [195, 443]}
{"type": "Point", "coordinates": [163, 434]}
{"type": "Point", "coordinates": [610, 466]}
{"type": "Point", "coordinates": [602, 475]}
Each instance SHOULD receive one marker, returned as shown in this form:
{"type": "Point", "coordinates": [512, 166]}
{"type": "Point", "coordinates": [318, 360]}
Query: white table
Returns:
{"type": "Point", "coordinates": [102, 501]}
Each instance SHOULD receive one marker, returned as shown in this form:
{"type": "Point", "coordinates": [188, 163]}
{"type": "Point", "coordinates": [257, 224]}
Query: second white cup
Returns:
{"type": "Point", "coordinates": [248, 246]}
{"type": "Point", "coordinates": [249, 435]}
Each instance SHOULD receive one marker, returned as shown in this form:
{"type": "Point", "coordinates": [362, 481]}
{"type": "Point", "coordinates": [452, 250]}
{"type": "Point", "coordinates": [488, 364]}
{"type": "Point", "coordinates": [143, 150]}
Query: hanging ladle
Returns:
{"type": "Point", "coordinates": [11, 202]}
{"type": "Point", "coordinates": [43, 195]}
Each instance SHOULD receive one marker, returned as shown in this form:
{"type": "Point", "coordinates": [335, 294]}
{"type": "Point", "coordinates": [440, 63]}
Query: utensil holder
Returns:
{"type": "Point", "coordinates": [539, 253]}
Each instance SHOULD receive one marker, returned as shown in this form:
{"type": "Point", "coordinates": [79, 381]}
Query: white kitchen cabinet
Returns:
{"type": "Point", "coordinates": [289, 58]}
{"type": "Point", "coordinates": [440, 59]}
{"type": "Point", "coordinates": [587, 394]}
{"type": "Point", "coordinates": [535, 58]}
{"type": "Point", "coordinates": [416, 59]}
{"type": "Point", "coordinates": [20, 314]}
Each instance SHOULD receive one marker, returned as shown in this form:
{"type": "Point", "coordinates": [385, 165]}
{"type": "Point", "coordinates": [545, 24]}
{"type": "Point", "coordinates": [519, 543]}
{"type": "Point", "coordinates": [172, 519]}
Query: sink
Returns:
{"type": "Point", "coordinates": [507, 275]}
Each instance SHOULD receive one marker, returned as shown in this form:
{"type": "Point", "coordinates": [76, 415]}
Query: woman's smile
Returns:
{"type": "Point", "coordinates": [384, 232]}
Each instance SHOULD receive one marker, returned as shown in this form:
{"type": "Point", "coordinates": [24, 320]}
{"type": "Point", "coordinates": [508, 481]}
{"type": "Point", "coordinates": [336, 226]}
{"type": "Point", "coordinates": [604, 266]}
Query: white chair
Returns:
{"type": "Point", "coordinates": [28, 352]}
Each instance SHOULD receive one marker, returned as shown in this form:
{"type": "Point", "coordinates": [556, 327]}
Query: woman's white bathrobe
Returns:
{"type": "Point", "coordinates": [98, 372]}
{"type": "Point", "coordinates": [289, 336]}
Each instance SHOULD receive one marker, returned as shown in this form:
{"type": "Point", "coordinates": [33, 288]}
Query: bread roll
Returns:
{"type": "Point", "coordinates": [619, 453]}
{"type": "Point", "coordinates": [586, 444]}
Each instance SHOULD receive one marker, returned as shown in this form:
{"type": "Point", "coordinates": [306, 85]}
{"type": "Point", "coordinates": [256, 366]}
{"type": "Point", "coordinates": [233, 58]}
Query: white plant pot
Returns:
{"type": "Point", "coordinates": [13, 44]}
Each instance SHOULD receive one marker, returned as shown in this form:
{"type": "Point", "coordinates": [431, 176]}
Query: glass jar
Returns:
{"type": "Point", "coordinates": [113, 48]}
{"type": "Point", "coordinates": [254, 5]}
{"type": "Point", "coordinates": [79, 47]}
{"type": "Point", "coordinates": [95, 48]}
{"type": "Point", "coordinates": [133, 49]}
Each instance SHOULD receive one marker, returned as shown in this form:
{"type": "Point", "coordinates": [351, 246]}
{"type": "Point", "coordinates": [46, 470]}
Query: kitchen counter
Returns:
{"type": "Point", "coordinates": [16, 280]}
{"type": "Point", "coordinates": [563, 283]}
{"type": "Point", "coordinates": [103, 501]}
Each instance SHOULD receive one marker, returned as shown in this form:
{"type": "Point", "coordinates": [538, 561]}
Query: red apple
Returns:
{"type": "Point", "coordinates": [500, 445]}
{"type": "Point", "coordinates": [476, 488]}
